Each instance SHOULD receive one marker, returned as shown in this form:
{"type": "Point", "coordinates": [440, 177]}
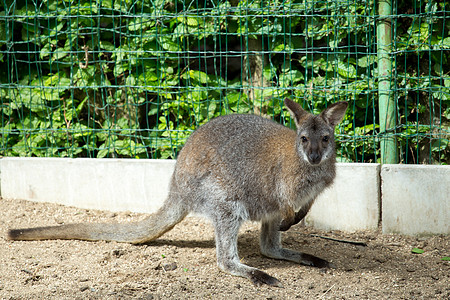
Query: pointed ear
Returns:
{"type": "Point", "coordinates": [297, 112]}
{"type": "Point", "coordinates": [334, 113]}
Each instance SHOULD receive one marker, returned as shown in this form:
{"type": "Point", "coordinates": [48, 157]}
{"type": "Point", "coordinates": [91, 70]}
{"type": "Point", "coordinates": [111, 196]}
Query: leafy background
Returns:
{"type": "Point", "coordinates": [135, 78]}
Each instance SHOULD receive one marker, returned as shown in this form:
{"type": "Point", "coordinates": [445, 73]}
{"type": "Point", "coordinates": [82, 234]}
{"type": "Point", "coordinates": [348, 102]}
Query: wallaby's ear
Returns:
{"type": "Point", "coordinates": [334, 113]}
{"type": "Point", "coordinates": [297, 112]}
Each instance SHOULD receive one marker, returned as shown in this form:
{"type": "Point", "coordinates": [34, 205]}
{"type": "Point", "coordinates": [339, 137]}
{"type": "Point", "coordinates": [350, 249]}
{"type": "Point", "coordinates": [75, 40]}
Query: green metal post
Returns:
{"type": "Point", "coordinates": [386, 103]}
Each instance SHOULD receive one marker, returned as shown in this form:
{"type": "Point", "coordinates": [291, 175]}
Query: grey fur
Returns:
{"type": "Point", "coordinates": [232, 169]}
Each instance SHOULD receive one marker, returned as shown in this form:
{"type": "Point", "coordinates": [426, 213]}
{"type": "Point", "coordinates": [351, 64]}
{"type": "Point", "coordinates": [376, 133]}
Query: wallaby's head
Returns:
{"type": "Point", "coordinates": [315, 133]}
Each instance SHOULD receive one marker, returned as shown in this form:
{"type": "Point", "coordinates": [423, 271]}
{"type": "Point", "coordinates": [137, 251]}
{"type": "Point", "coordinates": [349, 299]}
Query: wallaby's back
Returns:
{"type": "Point", "coordinates": [239, 147]}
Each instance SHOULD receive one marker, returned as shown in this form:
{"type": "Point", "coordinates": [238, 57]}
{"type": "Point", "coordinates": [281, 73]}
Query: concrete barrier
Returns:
{"type": "Point", "coordinates": [108, 184]}
{"type": "Point", "coordinates": [352, 202]}
{"type": "Point", "coordinates": [416, 199]}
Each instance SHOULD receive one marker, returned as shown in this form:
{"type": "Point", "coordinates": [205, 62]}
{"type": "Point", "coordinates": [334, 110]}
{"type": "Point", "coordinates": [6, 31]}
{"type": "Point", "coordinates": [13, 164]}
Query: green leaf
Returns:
{"type": "Point", "coordinates": [268, 72]}
{"type": "Point", "coordinates": [106, 45]}
{"type": "Point", "coordinates": [367, 60]}
{"type": "Point", "coordinates": [45, 51]}
{"type": "Point", "coordinates": [346, 70]}
{"type": "Point", "coordinates": [446, 258]}
{"type": "Point", "coordinates": [442, 93]}
{"type": "Point", "coordinates": [417, 251]}
{"type": "Point", "coordinates": [190, 21]}
{"type": "Point", "coordinates": [139, 24]}
{"type": "Point", "coordinates": [293, 76]}
{"type": "Point", "coordinates": [169, 45]}
{"type": "Point", "coordinates": [446, 42]}
{"type": "Point", "coordinates": [200, 76]}
{"type": "Point", "coordinates": [102, 153]}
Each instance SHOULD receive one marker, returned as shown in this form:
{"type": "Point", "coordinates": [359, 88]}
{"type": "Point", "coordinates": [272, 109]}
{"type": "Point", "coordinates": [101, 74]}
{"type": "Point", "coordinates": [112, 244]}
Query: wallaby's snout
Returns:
{"type": "Point", "coordinates": [314, 157]}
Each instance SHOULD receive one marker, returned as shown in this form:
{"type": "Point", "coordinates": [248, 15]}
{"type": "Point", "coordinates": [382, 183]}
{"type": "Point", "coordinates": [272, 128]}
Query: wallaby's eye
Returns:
{"type": "Point", "coordinates": [326, 138]}
{"type": "Point", "coordinates": [304, 139]}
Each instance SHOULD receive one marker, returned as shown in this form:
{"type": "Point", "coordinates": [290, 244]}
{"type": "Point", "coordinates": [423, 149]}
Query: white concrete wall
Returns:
{"type": "Point", "coordinates": [108, 184]}
{"type": "Point", "coordinates": [416, 199]}
{"type": "Point", "coordinates": [352, 202]}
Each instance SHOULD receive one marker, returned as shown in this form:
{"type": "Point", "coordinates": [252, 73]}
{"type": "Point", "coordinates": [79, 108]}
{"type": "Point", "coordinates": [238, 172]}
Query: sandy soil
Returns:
{"type": "Point", "coordinates": [181, 264]}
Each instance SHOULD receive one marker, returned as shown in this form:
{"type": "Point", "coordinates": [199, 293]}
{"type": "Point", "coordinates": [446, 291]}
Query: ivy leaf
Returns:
{"type": "Point", "coordinates": [169, 45]}
{"type": "Point", "coordinates": [293, 76]}
{"type": "Point", "coordinates": [366, 61]}
{"type": "Point", "coordinates": [199, 76]}
{"type": "Point", "coordinates": [346, 70]}
{"type": "Point", "coordinates": [446, 42]}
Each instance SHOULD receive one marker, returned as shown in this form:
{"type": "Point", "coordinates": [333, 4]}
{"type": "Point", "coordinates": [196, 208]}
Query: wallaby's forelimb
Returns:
{"type": "Point", "coordinates": [291, 219]}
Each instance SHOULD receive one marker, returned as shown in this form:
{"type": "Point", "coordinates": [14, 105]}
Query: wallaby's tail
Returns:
{"type": "Point", "coordinates": [143, 231]}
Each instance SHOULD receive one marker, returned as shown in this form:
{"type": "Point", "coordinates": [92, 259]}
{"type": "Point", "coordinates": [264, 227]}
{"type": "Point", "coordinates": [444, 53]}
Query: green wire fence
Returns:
{"type": "Point", "coordinates": [131, 78]}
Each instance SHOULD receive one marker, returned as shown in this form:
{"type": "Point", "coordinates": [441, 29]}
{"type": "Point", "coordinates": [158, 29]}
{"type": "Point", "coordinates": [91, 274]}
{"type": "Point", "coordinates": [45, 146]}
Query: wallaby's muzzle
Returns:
{"type": "Point", "coordinates": [314, 158]}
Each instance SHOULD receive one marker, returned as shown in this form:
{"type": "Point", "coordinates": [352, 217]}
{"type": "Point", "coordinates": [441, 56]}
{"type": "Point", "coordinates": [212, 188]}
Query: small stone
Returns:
{"type": "Point", "coordinates": [84, 288]}
{"type": "Point", "coordinates": [59, 221]}
{"type": "Point", "coordinates": [169, 267]}
{"type": "Point", "coordinates": [118, 252]}
{"type": "Point", "coordinates": [111, 215]}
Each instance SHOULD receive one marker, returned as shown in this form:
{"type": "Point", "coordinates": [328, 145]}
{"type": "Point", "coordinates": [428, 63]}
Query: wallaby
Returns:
{"type": "Point", "coordinates": [236, 168]}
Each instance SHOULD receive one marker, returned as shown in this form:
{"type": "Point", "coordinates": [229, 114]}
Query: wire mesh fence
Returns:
{"type": "Point", "coordinates": [82, 78]}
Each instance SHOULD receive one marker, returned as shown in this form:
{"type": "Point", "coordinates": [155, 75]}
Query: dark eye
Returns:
{"type": "Point", "coordinates": [304, 139]}
{"type": "Point", "coordinates": [326, 138]}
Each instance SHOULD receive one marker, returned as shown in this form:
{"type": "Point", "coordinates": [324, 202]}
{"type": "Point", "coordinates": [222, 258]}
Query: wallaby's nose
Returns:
{"type": "Point", "coordinates": [314, 158]}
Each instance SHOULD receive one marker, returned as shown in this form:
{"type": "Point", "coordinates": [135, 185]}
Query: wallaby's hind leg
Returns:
{"type": "Point", "coordinates": [270, 243]}
{"type": "Point", "coordinates": [226, 231]}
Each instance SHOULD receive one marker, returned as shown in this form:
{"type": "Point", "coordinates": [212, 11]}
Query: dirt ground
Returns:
{"type": "Point", "coordinates": [181, 264]}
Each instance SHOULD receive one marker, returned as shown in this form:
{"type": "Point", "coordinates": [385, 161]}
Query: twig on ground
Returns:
{"type": "Point", "coordinates": [323, 295]}
{"type": "Point", "coordinates": [358, 243]}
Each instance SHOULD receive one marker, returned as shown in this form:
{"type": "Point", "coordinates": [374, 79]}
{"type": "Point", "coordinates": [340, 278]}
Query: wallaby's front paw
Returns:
{"type": "Point", "coordinates": [285, 225]}
{"type": "Point", "coordinates": [313, 261]}
{"type": "Point", "coordinates": [259, 278]}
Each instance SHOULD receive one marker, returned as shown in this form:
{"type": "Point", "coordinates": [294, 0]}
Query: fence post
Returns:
{"type": "Point", "coordinates": [386, 103]}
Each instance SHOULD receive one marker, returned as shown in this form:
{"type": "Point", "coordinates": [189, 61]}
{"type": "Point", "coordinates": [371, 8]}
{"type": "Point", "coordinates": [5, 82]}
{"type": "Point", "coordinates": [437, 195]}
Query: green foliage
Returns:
{"type": "Point", "coordinates": [135, 78]}
{"type": "Point", "coordinates": [417, 251]}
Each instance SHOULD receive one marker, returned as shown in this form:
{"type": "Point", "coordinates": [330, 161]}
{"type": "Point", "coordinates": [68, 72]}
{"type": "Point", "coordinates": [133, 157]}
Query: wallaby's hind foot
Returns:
{"type": "Point", "coordinates": [259, 278]}
{"type": "Point", "coordinates": [314, 261]}
{"type": "Point", "coordinates": [256, 276]}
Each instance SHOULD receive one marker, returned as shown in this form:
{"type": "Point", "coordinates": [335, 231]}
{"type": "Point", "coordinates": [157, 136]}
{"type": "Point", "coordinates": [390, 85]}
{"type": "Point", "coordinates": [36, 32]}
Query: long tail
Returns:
{"type": "Point", "coordinates": [143, 231]}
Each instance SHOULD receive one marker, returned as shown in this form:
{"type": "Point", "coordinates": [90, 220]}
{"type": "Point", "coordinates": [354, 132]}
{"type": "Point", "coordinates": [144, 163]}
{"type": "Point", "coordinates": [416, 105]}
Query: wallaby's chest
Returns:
{"type": "Point", "coordinates": [309, 185]}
